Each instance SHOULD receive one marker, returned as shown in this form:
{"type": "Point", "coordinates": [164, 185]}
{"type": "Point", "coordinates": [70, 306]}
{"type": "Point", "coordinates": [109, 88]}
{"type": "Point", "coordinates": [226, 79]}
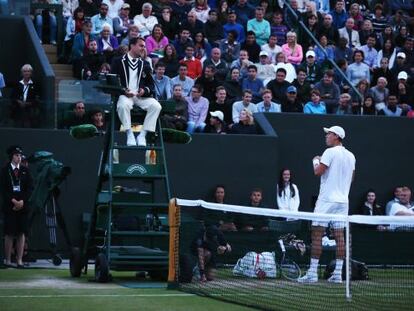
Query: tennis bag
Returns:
{"type": "Point", "coordinates": [359, 270]}
{"type": "Point", "coordinates": [256, 265]}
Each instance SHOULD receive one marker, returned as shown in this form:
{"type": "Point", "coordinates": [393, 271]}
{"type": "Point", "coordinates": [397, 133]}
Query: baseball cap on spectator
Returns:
{"type": "Point", "coordinates": [125, 6]}
{"type": "Point", "coordinates": [402, 75]}
{"type": "Point", "coordinates": [217, 114]}
{"type": "Point", "coordinates": [310, 53]}
{"type": "Point", "coordinates": [291, 89]}
{"type": "Point", "coordinates": [231, 11]}
{"type": "Point", "coordinates": [336, 130]}
{"type": "Point", "coordinates": [263, 53]}
{"type": "Point", "coordinates": [401, 54]}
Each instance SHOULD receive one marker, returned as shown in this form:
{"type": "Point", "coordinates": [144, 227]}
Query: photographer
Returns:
{"type": "Point", "coordinates": [16, 188]}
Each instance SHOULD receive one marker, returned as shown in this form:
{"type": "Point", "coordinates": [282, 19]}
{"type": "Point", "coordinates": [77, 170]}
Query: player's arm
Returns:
{"type": "Point", "coordinates": [318, 167]}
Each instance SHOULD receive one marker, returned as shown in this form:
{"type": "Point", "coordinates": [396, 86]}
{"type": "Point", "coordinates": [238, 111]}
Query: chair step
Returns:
{"type": "Point", "coordinates": [124, 197]}
{"type": "Point", "coordinates": [140, 233]}
{"type": "Point", "coordinates": [120, 204]}
{"type": "Point", "coordinates": [124, 147]}
{"type": "Point", "coordinates": [136, 170]}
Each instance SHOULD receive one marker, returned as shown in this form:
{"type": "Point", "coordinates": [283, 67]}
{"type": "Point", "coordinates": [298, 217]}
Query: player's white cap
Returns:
{"type": "Point", "coordinates": [336, 130]}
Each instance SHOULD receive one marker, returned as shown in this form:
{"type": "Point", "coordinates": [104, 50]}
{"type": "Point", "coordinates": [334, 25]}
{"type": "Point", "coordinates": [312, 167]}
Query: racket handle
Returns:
{"type": "Point", "coordinates": [282, 246]}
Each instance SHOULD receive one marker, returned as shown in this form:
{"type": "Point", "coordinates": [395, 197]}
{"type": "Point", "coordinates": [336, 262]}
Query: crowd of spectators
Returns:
{"type": "Point", "coordinates": [254, 46]}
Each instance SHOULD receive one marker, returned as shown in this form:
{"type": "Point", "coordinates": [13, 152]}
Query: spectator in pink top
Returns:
{"type": "Point", "coordinates": [292, 49]}
{"type": "Point", "coordinates": [156, 42]}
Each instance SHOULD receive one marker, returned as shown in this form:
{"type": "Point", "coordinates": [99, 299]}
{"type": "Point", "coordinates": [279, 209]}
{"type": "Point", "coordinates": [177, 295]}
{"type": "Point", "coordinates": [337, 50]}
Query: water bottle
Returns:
{"type": "Point", "coordinates": [115, 155]}
{"type": "Point", "coordinates": [151, 157]}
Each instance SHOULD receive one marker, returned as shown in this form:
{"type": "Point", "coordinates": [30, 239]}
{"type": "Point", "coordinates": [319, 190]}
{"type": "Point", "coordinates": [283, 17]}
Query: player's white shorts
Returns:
{"type": "Point", "coordinates": [324, 207]}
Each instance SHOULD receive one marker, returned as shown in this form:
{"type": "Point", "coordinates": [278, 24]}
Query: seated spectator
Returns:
{"type": "Point", "coordinates": [97, 119]}
{"type": "Point", "coordinates": [272, 49]}
{"type": "Point", "coordinates": [156, 42]}
{"type": "Point", "coordinates": [312, 69]}
{"type": "Point", "coordinates": [287, 192]}
{"type": "Point", "coordinates": [342, 51]}
{"type": "Point", "coordinates": [315, 106]}
{"type": "Point", "coordinates": [213, 29]}
{"type": "Point", "coordinates": [145, 21]}
{"type": "Point", "coordinates": [396, 198]}
{"type": "Point", "coordinates": [78, 116]}
{"type": "Point", "coordinates": [344, 105]}
{"type": "Point", "coordinates": [379, 21]}
{"type": "Point", "coordinates": [162, 82]}
{"type": "Point", "coordinates": [182, 79]}
{"type": "Point", "coordinates": [114, 6]}
{"type": "Point", "coordinates": [242, 63]}
{"type": "Point", "coordinates": [265, 70]}
{"type": "Point", "coordinates": [170, 61]}
{"type": "Point", "coordinates": [291, 103]}
{"type": "Point", "coordinates": [365, 31]}
{"type": "Point", "coordinates": [382, 70]}
{"type": "Point", "coordinates": [259, 26]}
{"type": "Point", "coordinates": [92, 62]}
{"type": "Point", "coordinates": [252, 83]}
{"type": "Point", "coordinates": [201, 10]}
{"type": "Point", "coordinates": [220, 66]}
{"type": "Point", "coordinates": [133, 32]}
{"type": "Point", "coordinates": [368, 107]}
{"type": "Point", "coordinates": [405, 91]}
{"type": "Point", "coordinates": [222, 9]}
{"type": "Point", "coordinates": [379, 93]}
{"type": "Point", "coordinates": [339, 15]}
{"type": "Point", "coordinates": [197, 110]}
{"type": "Point", "coordinates": [2, 84]}
{"type": "Point", "coordinates": [178, 120]}
{"type": "Point", "coordinates": [181, 9]}
{"type": "Point", "coordinates": [245, 103]}
{"type": "Point", "coordinates": [52, 23]}
{"type": "Point", "coordinates": [404, 207]}
{"type": "Point", "coordinates": [230, 47]}
{"type": "Point", "coordinates": [202, 48]}
{"type": "Point", "coordinates": [282, 63]}
{"type": "Point", "coordinates": [311, 22]}
{"type": "Point", "coordinates": [329, 30]}
{"type": "Point", "coordinates": [107, 43]}
{"type": "Point", "coordinates": [100, 19]}
{"type": "Point", "coordinates": [232, 86]}
{"type": "Point", "coordinates": [222, 104]}
{"type": "Point", "coordinates": [90, 7]}
{"type": "Point", "coordinates": [350, 34]}
{"type": "Point", "coordinates": [122, 22]}
{"type": "Point", "coordinates": [370, 53]}
{"type": "Point", "coordinates": [73, 26]}
{"type": "Point", "coordinates": [249, 222]}
{"type": "Point", "coordinates": [105, 69]}
{"type": "Point", "coordinates": [391, 109]}
{"type": "Point", "coordinates": [358, 70]}
{"type": "Point", "coordinates": [279, 86]}
{"type": "Point", "coordinates": [370, 206]}
{"type": "Point", "coordinates": [320, 56]}
{"type": "Point", "coordinates": [292, 50]}
{"type": "Point", "coordinates": [402, 36]}
{"type": "Point", "coordinates": [232, 25]}
{"type": "Point", "coordinates": [223, 220]}
{"type": "Point", "coordinates": [216, 123]}
{"type": "Point", "coordinates": [278, 28]}
{"type": "Point", "coordinates": [245, 125]}
{"type": "Point", "coordinates": [169, 22]}
{"type": "Point", "coordinates": [355, 13]}
{"type": "Point", "coordinates": [401, 64]}
{"type": "Point", "coordinates": [267, 105]}
{"type": "Point", "coordinates": [25, 108]}
{"type": "Point", "coordinates": [80, 47]}
{"type": "Point", "coordinates": [302, 86]}
{"type": "Point", "coordinates": [209, 82]}
{"type": "Point", "coordinates": [290, 19]}
{"type": "Point", "coordinates": [363, 89]}
{"type": "Point", "coordinates": [192, 24]}
{"type": "Point", "coordinates": [193, 64]}
{"type": "Point", "coordinates": [329, 91]}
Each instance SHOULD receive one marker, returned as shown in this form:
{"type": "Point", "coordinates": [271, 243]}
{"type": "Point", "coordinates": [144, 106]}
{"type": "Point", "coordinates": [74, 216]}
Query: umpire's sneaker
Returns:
{"type": "Point", "coordinates": [335, 278]}
{"type": "Point", "coordinates": [309, 277]}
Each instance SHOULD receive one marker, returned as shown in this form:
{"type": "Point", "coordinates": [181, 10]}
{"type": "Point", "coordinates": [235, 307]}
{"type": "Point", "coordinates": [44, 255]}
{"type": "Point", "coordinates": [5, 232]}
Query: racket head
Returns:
{"type": "Point", "coordinates": [289, 269]}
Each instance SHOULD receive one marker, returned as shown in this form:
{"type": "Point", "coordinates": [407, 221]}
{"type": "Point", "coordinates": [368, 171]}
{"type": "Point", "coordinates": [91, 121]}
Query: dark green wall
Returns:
{"type": "Point", "coordinates": [383, 147]}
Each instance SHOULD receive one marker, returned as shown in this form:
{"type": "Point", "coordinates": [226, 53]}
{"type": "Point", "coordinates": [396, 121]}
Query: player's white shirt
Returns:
{"type": "Point", "coordinates": [337, 179]}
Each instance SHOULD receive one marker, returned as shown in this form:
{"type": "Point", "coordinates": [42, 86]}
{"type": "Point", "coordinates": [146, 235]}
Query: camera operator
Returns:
{"type": "Point", "coordinates": [16, 188]}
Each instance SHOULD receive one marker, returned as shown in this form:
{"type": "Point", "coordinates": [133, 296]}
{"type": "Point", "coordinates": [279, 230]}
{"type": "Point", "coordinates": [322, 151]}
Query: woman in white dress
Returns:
{"type": "Point", "coordinates": [287, 192]}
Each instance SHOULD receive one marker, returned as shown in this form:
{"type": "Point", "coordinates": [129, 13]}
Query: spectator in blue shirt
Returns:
{"type": "Point", "coordinates": [252, 83]}
{"type": "Point", "coordinates": [267, 105]}
{"type": "Point", "coordinates": [315, 106]}
{"type": "Point", "coordinates": [339, 15]}
{"type": "Point", "coordinates": [233, 25]}
{"type": "Point", "coordinates": [100, 19]}
{"type": "Point", "coordinates": [244, 11]}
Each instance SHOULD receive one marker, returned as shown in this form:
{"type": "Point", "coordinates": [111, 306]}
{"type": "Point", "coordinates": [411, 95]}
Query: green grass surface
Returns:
{"type": "Point", "coordinates": [44, 290]}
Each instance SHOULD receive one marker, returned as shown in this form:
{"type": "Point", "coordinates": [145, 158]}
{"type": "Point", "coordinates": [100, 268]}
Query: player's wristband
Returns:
{"type": "Point", "coordinates": [316, 162]}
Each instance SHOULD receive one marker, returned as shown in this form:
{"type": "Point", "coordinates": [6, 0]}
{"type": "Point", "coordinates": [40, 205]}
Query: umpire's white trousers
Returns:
{"type": "Point", "coordinates": [149, 104]}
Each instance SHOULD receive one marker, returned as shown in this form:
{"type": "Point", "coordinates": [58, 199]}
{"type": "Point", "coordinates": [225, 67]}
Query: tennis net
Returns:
{"type": "Point", "coordinates": [255, 257]}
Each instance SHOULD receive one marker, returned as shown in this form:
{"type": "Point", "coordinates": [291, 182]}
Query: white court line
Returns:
{"type": "Point", "coordinates": [97, 295]}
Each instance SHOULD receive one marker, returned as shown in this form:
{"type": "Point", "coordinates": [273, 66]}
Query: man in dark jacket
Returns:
{"type": "Point", "coordinates": [16, 188]}
{"type": "Point", "coordinates": [279, 86]}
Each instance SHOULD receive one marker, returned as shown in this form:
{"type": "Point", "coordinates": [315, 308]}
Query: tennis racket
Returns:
{"type": "Point", "coordinates": [288, 268]}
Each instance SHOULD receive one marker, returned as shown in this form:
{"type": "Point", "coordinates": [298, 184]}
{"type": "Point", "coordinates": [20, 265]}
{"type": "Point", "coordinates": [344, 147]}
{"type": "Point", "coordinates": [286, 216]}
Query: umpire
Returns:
{"type": "Point", "coordinates": [16, 188]}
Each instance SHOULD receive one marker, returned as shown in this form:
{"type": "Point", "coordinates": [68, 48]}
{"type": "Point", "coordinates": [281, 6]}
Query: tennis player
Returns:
{"type": "Point", "coordinates": [336, 168]}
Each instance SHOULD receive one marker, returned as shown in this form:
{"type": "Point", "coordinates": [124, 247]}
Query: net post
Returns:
{"type": "Point", "coordinates": [173, 262]}
{"type": "Point", "coordinates": [347, 263]}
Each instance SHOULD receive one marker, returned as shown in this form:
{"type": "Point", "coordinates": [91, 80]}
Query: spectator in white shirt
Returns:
{"type": "Point", "coordinates": [145, 21]}
{"type": "Point", "coordinates": [287, 192]}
